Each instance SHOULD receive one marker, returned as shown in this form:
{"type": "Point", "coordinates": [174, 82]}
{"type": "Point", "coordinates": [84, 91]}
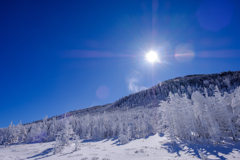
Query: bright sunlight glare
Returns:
{"type": "Point", "coordinates": [152, 57]}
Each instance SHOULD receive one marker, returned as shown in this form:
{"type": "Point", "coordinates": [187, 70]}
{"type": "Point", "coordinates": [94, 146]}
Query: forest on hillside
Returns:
{"type": "Point", "coordinates": [199, 119]}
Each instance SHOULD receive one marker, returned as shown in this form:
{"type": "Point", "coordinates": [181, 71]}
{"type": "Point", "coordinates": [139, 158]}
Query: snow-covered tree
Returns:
{"type": "Point", "coordinates": [63, 137]}
{"type": "Point", "coordinates": [76, 143]}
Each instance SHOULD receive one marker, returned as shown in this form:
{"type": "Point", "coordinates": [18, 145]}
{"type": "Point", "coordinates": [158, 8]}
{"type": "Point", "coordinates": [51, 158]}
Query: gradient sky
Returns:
{"type": "Point", "coordinates": [60, 56]}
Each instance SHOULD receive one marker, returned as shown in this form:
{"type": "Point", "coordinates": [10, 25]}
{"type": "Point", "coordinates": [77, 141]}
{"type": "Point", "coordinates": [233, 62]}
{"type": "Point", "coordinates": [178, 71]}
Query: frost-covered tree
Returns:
{"type": "Point", "coordinates": [166, 121]}
{"type": "Point", "coordinates": [76, 143]}
{"type": "Point", "coordinates": [52, 131]}
{"type": "Point", "coordinates": [58, 146]}
{"type": "Point", "coordinates": [63, 137]}
{"type": "Point", "coordinates": [202, 117]}
{"type": "Point", "coordinates": [1, 139]}
{"type": "Point", "coordinates": [9, 134]}
{"type": "Point", "coordinates": [235, 104]}
{"type": "Point", "coordinates": [21, 133]}
{"type": "Point", "coordinates": [225, 114]}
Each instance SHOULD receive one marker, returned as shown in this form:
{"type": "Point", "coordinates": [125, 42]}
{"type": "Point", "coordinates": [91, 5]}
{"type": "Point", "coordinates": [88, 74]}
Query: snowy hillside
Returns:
{"type": "Point", "coordinates": [194, 115]}
{"type": "Point", "coordinates": [226, 82]}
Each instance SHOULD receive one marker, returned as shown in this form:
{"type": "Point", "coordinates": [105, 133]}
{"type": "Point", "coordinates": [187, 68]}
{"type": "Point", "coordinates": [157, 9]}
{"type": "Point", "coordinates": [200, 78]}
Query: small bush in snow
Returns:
{"type": "Point", "coordinates": [58, 146]}
{"type": "Point", "coordinates": [123, 139]}
{"type": "Point", "coordinates": [77, 143]}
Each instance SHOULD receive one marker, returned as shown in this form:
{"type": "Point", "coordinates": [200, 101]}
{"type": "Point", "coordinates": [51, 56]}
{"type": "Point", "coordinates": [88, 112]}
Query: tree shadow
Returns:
{"type": "Point", "coordinates": [207, 149]}
{"type": "Point", "coordinates": [172, 148]}
{"type": "Point", "coordinates": [42, 155]}
{"type": "Point", "coordinates": [110, 139]}
{"type": "Point", "coordinates": [90, 140]}
{"type": "Point", "coordinates": [117, 142]}
{"type": "Point", "coordinates": [99, 140]}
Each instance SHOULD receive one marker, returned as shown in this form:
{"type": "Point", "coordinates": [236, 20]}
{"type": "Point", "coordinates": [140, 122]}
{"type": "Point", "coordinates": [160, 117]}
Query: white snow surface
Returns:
{"type": "Point", "coordinates": [154, 147]}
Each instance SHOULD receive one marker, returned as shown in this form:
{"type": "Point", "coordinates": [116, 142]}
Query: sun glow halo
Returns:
{"type": "Point", "coordinates": [152, 57]}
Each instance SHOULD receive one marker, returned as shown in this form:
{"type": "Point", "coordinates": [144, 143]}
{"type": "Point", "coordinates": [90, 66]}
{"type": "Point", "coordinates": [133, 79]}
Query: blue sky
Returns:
{"type": "Point", "coordinates": [59, 56]}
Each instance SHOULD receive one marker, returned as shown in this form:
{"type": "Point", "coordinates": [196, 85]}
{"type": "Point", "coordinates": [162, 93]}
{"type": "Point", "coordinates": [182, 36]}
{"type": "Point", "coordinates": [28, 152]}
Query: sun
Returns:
{"type": "Point", "coordinates": [152, 57]}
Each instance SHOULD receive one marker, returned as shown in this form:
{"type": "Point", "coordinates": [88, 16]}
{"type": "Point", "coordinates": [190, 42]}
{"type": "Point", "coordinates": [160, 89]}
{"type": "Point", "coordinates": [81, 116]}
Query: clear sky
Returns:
{"type": "Point", "coordinates": [60, 56]}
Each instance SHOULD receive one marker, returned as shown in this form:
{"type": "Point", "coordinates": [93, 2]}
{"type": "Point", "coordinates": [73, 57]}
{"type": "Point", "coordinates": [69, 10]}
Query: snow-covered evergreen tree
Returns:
{"type": "Point", "coordinates": [63, 137]}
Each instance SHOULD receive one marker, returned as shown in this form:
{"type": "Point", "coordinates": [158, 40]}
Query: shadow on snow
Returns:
{"type": "Point", "coordinates": [42, 155]}
{"type": "Point", "coordinates": [207, 149]}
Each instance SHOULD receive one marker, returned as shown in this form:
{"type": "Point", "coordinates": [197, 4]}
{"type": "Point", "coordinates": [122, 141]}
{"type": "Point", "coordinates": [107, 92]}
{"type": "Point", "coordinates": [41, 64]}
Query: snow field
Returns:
{"type": "Point", "coordinates": [150, 148]}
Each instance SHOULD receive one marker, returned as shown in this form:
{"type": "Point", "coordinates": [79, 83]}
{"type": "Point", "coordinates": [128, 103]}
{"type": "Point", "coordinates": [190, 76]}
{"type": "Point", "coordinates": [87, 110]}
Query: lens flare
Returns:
{"type": "Point", "coordinates": [152, 57]}
{"type": "Point", "coordinates": [102, 92]}
{"type": "Point", "coordinates": [184, 52]}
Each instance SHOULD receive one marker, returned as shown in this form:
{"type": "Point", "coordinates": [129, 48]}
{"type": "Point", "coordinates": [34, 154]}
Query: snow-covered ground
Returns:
{"type": "Point", "coordinates": [151, 148]}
